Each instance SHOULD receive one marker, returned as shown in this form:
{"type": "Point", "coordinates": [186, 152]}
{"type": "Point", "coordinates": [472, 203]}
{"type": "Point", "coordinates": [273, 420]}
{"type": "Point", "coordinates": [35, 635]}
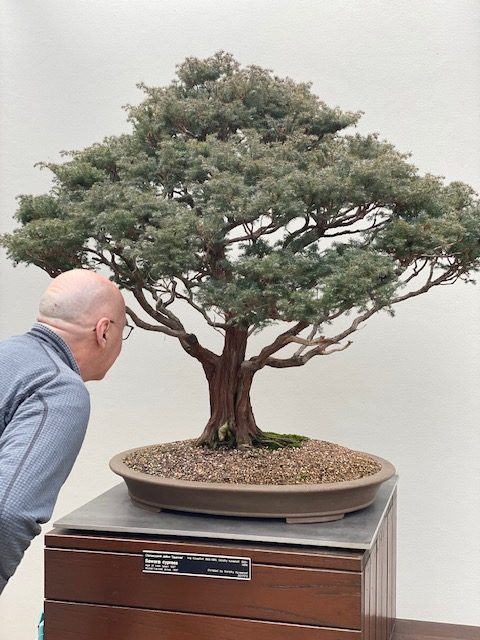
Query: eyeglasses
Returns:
{"type": "Point", "coordinates": [126, 331]}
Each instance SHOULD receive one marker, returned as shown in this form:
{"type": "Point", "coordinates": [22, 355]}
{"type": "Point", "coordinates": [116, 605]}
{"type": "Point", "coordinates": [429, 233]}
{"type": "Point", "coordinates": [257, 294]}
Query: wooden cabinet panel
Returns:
{"type": "Point", "coordinates": [65, 621]}
{"type": "Point", "coordinates": [284, 594]}
{"type": "Point", "coordinates": [379, 580]}
{"type": "Point", "coordinates": [290, 556]}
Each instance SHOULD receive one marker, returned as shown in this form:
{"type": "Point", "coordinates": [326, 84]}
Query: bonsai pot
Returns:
{"type": "Point", "coordinates": [296, 503]}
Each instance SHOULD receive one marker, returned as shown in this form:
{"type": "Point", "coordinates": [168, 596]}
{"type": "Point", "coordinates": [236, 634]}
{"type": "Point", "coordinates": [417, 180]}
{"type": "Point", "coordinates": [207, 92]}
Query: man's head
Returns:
{"type": "Point", "coordinates": [88, 312]}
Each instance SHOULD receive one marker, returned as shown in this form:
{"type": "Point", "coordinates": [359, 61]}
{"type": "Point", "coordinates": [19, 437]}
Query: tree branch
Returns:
{"type": "Point", "coordinates": [151, 327]}
{"type": "Point", "coordinates": [210, 322]}
{"type": "Point", "coordinates": [322, 344]}
{"type": "Point", "coordinates": [450, 276]}
{"type": "Point", "coordinates": [298, 361]}
{"type": "Point", "coordinates": [360, 213]}
{"type": "Point", "coordinates": [254, 235]}
{"type": "Point", "coordinates": [257, 362]}
{"type": "Point", "coordinates": [188, 341]}
{"type": "Point", "coordinates": [310, 233]}
{"type": "Point", "coordinates": [374, 226]}
{"type": "Point", "coordinates": [416, 270]}
{"type": "Point", "coordinates": [311, 336]}
{"type": "Point", "coordinates": [161, 315]}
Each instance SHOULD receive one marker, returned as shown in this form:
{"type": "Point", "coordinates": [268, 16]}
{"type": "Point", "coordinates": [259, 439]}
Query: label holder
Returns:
{"type": "Point", "coordinates": [199, 565]}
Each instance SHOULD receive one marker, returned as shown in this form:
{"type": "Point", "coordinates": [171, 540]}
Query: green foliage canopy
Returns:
{"type": "Point", "coordinates": [245, 196]}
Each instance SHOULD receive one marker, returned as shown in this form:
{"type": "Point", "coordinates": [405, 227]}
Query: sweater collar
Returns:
{"type": "Point", "coordinates": [53, 340]}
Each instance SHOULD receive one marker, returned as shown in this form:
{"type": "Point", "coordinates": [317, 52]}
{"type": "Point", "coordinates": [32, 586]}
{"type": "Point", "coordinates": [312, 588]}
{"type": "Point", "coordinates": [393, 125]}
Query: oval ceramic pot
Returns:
{"type": "Point", "coordinates": [295, 502]}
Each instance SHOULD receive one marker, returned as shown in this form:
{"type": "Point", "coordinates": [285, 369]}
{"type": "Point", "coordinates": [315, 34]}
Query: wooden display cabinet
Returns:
{"type": "Point", "coordinates": [96, 588]}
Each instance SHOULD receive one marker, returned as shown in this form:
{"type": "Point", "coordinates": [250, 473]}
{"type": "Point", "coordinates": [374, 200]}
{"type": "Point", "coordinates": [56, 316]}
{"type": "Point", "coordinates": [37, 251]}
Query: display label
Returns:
{"type": "Point", "coordinates": [196, 564]}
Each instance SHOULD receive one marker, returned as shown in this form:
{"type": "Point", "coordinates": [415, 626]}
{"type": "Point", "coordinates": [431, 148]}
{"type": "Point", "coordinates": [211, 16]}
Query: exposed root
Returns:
{"type": "Point", "coordinates": [224, 438]}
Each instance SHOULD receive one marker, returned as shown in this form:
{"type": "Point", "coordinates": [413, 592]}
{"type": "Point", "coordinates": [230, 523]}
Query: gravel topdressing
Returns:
{"type": "Point", "coordinates": [314, 462]}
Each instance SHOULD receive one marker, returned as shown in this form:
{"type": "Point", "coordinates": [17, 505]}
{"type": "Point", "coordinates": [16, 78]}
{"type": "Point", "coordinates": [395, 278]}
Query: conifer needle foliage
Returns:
{"type": "Point", "coordinates": [246, 197]}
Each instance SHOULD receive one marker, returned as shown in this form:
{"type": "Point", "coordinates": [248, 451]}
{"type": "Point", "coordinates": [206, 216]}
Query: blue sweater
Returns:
{"type": "Point", "coordinates": [44, 411]}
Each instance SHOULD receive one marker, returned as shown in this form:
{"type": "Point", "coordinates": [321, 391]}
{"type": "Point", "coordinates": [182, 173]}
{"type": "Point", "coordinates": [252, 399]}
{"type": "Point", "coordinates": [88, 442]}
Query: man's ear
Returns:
{"type": "Point", "coordinates": [101, 331]}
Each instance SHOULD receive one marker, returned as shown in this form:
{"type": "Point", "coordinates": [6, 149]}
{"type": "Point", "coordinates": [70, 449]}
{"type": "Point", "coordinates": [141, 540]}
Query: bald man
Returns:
{"type": "Point", "coordinates": [44, 403]}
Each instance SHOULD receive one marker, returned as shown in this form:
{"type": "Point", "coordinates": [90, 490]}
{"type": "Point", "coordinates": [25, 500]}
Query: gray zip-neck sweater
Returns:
{"type": "Point", "coordinates": [44, 411]}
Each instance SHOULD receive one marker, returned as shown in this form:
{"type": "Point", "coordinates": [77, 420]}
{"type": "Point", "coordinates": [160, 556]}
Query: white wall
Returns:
{"type": "Point", "coordinates": [408, 389]}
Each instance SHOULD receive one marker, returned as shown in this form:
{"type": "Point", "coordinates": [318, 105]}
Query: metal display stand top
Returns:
{"type": "Point", "coordinates": [113, 512]}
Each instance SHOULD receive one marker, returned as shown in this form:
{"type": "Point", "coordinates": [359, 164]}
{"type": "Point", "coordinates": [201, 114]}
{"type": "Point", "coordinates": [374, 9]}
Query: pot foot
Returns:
{"type": "Point", "coordinates": [146, 507]}
{"type": "Point", "coordinates": [313, 519]}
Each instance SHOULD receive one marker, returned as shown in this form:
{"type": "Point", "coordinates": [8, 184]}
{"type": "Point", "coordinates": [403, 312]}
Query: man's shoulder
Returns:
{"type": "Point", "coordinates": [6, 343]}
{"type": "Point", "coordinates": [22, 353]}
{"type": "Point", "coordinates": [34, 365]}
{"type": "Point", "coordinates": [18, 342]}
{"type": "Point", "coordinates": [19, 351]}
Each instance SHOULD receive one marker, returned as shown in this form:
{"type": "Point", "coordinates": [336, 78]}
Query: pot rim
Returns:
{"type": "Point", "coordinates": [118, 466]}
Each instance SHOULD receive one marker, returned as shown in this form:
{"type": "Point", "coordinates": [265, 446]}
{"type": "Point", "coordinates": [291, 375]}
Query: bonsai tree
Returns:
{"type": "Point", "coordinates": [244, 196]}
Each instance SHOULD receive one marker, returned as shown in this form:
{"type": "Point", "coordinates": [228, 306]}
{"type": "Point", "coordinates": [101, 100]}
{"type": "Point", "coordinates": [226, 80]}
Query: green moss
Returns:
{"type": "Point", "coordinates": [272, 440]}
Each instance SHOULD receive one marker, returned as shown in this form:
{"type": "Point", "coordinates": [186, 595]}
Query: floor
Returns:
{"type": "Point", "coordinates": [415, 630]}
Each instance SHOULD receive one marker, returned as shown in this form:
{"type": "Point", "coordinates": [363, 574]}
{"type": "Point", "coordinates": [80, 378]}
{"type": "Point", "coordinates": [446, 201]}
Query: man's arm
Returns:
{"type": "Point", "coordinates": [37, 451]}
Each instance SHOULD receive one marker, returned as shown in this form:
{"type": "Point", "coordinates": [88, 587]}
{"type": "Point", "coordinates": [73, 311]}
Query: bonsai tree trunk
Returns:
{"type": "Point", "coordinates": [231, 417]}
